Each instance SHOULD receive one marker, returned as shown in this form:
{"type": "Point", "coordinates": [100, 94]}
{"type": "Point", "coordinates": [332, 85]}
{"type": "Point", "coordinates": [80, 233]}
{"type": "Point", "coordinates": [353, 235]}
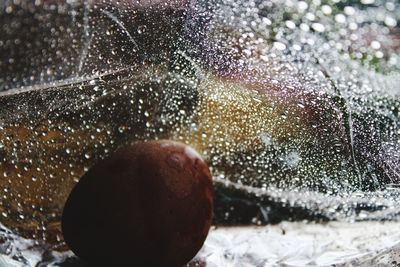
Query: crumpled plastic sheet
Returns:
{"type": "Point", "coordinates": [303, 244]}
{"type": "Point", "coordinates": [286, 244]}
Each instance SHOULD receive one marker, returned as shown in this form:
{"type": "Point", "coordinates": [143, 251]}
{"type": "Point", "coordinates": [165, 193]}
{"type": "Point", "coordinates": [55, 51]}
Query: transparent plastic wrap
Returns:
{"type": "Point", "coordinates": [293, 104]}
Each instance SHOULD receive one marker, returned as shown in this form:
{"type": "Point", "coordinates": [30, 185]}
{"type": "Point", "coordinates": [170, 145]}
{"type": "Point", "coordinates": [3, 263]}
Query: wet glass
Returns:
{"type": "Point", "coordinates": [293, 104]}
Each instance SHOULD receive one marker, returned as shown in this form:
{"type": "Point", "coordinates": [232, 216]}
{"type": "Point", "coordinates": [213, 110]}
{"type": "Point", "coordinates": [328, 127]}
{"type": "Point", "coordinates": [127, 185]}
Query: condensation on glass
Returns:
{"type": "Point", "coordinates": [295, 102]}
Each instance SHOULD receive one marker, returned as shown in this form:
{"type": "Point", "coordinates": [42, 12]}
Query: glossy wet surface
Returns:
{"type": "Point", "coordinates": [294, 105]}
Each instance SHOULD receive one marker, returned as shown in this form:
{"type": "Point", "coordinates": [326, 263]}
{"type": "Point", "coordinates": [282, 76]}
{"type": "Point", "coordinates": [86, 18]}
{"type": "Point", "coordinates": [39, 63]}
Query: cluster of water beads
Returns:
{"type": "Point", "coordinates": [283, 98]}
{"type": "Point", "coordinates": [311, 65]}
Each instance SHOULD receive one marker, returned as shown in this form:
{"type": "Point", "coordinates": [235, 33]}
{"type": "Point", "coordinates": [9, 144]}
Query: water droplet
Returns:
{"type": "Point", "coordinates": [290, 24]}
{"type": "Point", "coordinates": [318, 27]}
{"type": "Point", "coordinates": [327, 10]}
{"type": "Point", "coordinates": [375, 45]}
{"type": "Point", "coordinates": [367, 2]}
{"type": "Point", "coordinates": [340, 18]}
{"type": "Point", "coordinates": [302, 6]}
{"type": "Point", "coordinates": [279, 45]}
{"type": "Point", "coordinates": [390, 21]}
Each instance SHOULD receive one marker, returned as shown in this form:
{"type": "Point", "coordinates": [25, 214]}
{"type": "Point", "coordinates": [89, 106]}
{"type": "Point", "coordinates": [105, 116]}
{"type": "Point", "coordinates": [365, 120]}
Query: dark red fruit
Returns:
{"type": "Point", "coordinates": [149, 204]}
